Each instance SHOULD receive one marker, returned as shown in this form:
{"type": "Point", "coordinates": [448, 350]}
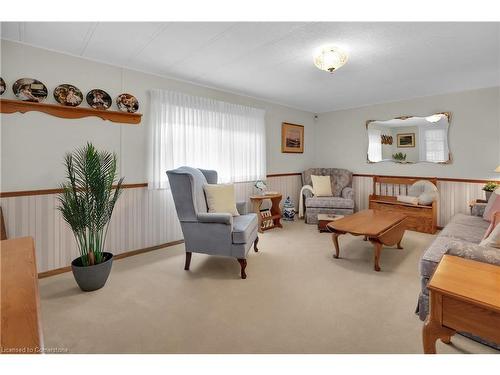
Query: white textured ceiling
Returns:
{"type": "Point", "coordinates": [273, 60]}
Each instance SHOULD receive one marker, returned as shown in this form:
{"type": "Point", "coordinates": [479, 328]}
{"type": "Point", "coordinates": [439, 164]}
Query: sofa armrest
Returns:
{"type": "Point", "coordinates": [241, 207]}
{"type": "Point", "coordinates": [215, 218]}
{"type": "Point", "coordinates": [477, 209]}
{"type": "Point", "coordinates": [348, 193]}
{"type": "Point", "coordinates": [473, 251]}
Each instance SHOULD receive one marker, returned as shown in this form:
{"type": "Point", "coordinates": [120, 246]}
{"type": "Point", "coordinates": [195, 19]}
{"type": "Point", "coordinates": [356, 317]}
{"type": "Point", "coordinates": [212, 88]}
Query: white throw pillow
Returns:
{"type": "Point", "coordinates": [425, 190]}
{"type": "Point", "coordinates": [221, 198]}
{"type": "Point", "coordinates": [322, 186]}
{"type": "Point", "coordinates": [493, 240]}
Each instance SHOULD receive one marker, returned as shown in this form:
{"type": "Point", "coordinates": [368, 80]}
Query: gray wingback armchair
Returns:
{"type": "Point", "coordinates": [210, 233]}
{"type": "Point", "coordinates": [342, 202]}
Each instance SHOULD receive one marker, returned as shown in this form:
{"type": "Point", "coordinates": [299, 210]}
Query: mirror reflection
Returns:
{"type": "Point", "coordinates": [409, 139]}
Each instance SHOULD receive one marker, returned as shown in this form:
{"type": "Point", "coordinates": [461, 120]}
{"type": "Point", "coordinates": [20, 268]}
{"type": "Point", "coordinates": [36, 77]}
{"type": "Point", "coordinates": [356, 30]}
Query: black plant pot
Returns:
{"type": "Point", "coordinates": [94, 277]}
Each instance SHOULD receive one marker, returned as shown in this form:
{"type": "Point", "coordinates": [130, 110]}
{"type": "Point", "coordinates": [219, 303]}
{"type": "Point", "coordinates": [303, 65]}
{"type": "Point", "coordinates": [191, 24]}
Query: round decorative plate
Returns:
{"type": "Point", "coordinates": [98, 99]}
{"type": "Point", "coordinates": [2, 86]}
{"type": "Point", "coordinates": [29, 89]}
{"type": "Point", "coordinates": [127, 103]}
{"type": "Point", "coordinates": [68, 95]}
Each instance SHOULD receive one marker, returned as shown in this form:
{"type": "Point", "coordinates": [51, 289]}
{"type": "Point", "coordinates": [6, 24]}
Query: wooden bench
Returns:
{"type": "Point", "coordinates": [385, 189]}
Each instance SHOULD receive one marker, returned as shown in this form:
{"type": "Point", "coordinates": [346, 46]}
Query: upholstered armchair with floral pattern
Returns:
{"type": "Point", "coordinates": [342, 201]}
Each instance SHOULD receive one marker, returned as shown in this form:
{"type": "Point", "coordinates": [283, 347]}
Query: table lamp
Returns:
{"type": "Point", "coordinates": [498, 169]}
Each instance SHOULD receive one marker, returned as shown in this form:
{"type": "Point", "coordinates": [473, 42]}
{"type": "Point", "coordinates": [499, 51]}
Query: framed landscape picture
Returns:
{"type": "Point", "coordinates": [292, 138]}
{"type": "Point", "coordinates": [406, 140]}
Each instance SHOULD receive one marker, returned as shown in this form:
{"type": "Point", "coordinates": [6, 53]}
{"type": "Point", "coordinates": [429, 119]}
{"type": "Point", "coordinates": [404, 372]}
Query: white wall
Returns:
{"type": "Point", "coordinates": [474, 135]}
{"type": "Point", "coordinates": [33, 144]}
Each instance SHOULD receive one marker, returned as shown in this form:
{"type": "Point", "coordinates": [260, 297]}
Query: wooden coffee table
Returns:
{"type": "Point", "coordinates": [378, 227]}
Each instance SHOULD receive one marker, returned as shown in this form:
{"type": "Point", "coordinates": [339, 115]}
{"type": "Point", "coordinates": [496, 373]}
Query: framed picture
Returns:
{"type": "Point", "coordinates": [406, 140]}
{"type": "Point", "coordinates": [292, 138]}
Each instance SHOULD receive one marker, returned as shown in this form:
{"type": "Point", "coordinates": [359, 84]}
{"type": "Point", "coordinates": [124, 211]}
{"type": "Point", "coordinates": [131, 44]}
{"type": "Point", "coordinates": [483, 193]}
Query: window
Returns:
{"type": "Point", "coordinates": [374, 145]}
{"type": "Point", "coordinates": [205, 133]}
{"type": "Point", "coordinates": [435, 145]}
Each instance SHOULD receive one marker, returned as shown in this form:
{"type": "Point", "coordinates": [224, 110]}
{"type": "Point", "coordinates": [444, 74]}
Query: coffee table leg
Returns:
{"type": "Point", "coordinates": [335, 239]}
{"type": "Point", "coordinates": [376, 253]}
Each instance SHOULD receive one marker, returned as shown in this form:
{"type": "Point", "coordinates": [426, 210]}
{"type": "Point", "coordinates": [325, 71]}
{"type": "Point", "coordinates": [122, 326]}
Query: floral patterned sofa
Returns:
{"type": "Point", "coordinates": [342, 202]}
{"type": "Point", "coordinates": [461, 237]}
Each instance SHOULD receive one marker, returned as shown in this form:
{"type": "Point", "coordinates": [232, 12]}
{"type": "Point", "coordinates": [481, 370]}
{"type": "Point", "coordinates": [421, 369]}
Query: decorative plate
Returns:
{"type": "Point", "coordinates": [98, 99]}
{"type": "Point", "coordinates": [29, 89]}
{"type": "Point", "coordinates": [68, 95]}
{"type": "Point", "coordinates": [127, 103]}
{"type": "Point", "coordinates": [2, 86]}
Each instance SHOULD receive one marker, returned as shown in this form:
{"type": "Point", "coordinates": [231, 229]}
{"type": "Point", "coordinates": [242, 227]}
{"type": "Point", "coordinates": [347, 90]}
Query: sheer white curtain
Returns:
{"type": "Point", "coordinates": [205, 133]}
{"type": "Point", "coordinates": [374, 145]}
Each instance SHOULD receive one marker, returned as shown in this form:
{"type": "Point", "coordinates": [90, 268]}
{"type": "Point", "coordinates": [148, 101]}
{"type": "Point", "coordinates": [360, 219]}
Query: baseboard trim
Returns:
{"type": "Point", "coordinates": [127, 254]}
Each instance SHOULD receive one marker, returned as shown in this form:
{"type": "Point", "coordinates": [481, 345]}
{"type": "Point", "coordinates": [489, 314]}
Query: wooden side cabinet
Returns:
{"type": "Point", "coordinates": [465, 297]}
{"type": "Point", "coordinates": [257, 201]}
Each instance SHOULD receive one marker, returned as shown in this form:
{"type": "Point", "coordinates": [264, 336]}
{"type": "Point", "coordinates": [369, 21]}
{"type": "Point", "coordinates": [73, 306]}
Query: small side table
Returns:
{"type": "Point", "coordinates": [464, 296]}
{"type": "Point", "coordinates": [275, 209]}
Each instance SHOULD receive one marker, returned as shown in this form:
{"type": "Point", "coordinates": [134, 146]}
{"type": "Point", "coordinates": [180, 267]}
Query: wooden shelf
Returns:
{"type": "Point", "coordinates": [13, 106]}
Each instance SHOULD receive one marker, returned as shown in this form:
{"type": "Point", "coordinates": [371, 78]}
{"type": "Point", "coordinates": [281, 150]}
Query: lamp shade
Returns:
{"type": "Point", "coordinates": [498, 169]}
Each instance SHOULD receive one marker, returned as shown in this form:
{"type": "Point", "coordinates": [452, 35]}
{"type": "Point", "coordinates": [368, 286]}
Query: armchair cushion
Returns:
{"type": "Point", "coordinates": [244, 227]}
{"type": "Point", "coordinates": [220, 218]}
{"type": "Point", "coordinates": [329, 202]}
{"type": "Point", "coordinates": [241, 207]}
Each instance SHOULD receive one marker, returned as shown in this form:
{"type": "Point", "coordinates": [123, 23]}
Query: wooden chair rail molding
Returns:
{"type": "Point", "coordinates": [8, 194]}
{"type": "Point", "coordinates": [12, 106]}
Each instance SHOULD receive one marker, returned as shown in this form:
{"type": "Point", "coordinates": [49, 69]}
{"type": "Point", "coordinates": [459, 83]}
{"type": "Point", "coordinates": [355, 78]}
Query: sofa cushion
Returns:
{"type": "Point", "coordinates": [463, 232]}
{"type": "Point", "coordinates": [473, 221]}
{"type": "Point", "coordinates": [475, 252]}
{"type": "Point", "coordinates": [243, 227]}
{"type": "Point", "coordinates": [329, 202]}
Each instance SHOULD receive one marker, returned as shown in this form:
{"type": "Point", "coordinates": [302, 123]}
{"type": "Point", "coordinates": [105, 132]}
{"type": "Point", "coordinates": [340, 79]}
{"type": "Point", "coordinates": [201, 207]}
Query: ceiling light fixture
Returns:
{"type": "Point", "coordinates": [329, 58]}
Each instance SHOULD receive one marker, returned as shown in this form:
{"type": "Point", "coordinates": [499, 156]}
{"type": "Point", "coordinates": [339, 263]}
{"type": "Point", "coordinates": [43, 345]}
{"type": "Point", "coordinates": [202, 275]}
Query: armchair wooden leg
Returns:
{"type": "Point", "coordinates": [255, 244]}
{"type": "Point", "coordinates": [243, 265]}
{"type": "Point", "coordinates": [188, 260]}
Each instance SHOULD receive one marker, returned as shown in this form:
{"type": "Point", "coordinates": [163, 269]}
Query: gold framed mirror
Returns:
{"type": "Point", "coordinates": [409, 139]}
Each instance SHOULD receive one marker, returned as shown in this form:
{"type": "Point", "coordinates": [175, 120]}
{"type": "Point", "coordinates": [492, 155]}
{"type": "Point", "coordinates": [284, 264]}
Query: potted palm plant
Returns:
{"type": "Point", "coordinates": [86, 203]}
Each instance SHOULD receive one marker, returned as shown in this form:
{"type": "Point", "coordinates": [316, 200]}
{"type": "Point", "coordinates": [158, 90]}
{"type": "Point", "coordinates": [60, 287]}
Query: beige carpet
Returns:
{"type": "Point", "coordinates": [296, 299]}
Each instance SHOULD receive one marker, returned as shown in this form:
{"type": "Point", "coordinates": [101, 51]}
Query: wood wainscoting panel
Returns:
{"type": "Point", "coordinates": [142, 219]}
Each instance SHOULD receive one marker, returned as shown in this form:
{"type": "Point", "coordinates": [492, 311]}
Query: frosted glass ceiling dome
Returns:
{"type": "Point", "coordinates": [329, 58]}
